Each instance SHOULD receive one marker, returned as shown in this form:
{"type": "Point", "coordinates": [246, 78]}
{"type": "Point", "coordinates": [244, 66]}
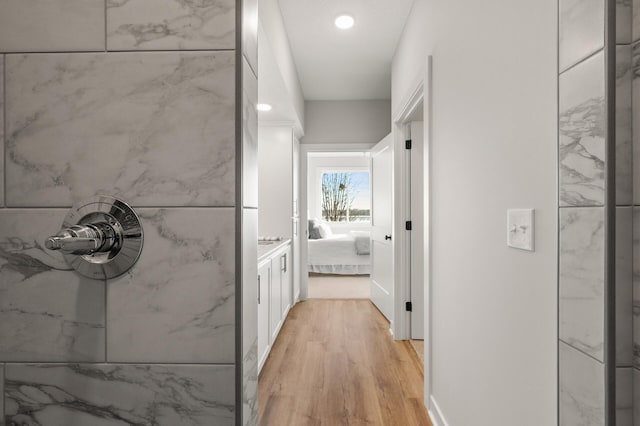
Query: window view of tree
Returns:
{"type": "Point", "coordinates": [345, 197]}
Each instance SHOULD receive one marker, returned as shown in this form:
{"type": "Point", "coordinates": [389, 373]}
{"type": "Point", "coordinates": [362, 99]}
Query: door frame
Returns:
{"type": "Point", "coordinates": [305, 149]}
{"type": "Point", "coordinates": [420, 93]}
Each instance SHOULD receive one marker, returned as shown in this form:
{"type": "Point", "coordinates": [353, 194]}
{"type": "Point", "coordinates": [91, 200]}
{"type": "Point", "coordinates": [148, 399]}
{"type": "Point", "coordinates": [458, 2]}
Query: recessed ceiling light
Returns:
{"type": "Point", "coordinates": [263, 107]}
{"type": "Point", "coordinates": [345, 22]}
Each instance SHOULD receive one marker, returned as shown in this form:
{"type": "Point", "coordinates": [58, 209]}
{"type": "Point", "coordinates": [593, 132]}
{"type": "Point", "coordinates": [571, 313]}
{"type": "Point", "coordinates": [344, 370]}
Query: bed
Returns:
{"type": "Point", "coordinates": [339, 254]}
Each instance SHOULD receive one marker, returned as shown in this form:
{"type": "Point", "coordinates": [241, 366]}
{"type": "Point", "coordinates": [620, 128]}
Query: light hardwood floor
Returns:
{"type": "Point", "coordinates": [335, 363]}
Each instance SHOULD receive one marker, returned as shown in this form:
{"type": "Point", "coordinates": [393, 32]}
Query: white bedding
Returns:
{"type": "Point", "coordinates": [336, 254]}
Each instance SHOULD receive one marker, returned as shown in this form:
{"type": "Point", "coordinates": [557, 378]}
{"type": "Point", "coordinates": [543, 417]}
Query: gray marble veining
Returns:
{"type": "Point", "coordinates": [582, 134]}
{"type": "Point", "coordinates": [170, 24]}
{"type": "Point", "coordinates": [119, 395]}
{"type": "Point", "coordinates": [177, 305]}
{"type": "Point", "coordinates": [51, 25]}
{"type": "Point", "coordinates": [250, 317]}
{"type": "Point", "coordinates": [582, 279]}
{"type": "Point", "coordinates": [1, 131]}
{"type": "Point", "coordinates": [636, 286]}
{"type": "Point", "coordinates": [581, 388]}
{"type": "Point", "coordinates": [635, 64]}
{"type": "Point", "coordinates": [581, 30]}
{"type": "Point", "coordinates": [47, 311]}
{"type": "Point", "coordinates": [165, 121]}
{"type": "Point", "coordinates": [624, 140]}
{"type": "Point", "coordinates": [624, 396]}
{"type": "Point", "coordinates": [624, 286]}
{"type": "Point", "coordinates": [249, 137]}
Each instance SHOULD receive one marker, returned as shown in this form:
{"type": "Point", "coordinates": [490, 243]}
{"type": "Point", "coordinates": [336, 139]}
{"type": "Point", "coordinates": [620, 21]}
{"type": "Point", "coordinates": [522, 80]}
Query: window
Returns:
{"type": "Point", "coordinates": [346, 196]}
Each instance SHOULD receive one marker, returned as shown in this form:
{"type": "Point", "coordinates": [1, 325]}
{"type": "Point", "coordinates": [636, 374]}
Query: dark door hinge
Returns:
{"type": "Point", "coordinates": [408, 225]}
{"type": "Point", "coordinates": [407, 144]}
{"type": "Point", "coordinates": [409, 307]}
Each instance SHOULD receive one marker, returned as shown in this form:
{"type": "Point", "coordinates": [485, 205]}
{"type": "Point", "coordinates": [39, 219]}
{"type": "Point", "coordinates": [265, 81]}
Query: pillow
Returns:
{"type": "Point", "coordinates": [324, 230]}
{"type": "Point", "coordinates": [314, 229]}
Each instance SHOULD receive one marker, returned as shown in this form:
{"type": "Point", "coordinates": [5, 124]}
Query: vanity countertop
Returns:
{"type": "Point", "coordinates": [267, 248]}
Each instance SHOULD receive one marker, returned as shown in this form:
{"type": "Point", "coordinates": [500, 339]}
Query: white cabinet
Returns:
{"type": "Point", "coordinates": [264, 285]}
{"type": "Point", "coordinates": [274, 301]}
{"type": "Point", "coordinates": [285, 281]}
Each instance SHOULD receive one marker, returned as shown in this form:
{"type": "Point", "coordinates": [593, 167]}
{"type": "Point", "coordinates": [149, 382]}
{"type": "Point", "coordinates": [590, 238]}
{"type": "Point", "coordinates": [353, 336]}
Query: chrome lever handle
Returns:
{"type": "Point", "coordinates": [83, 239]}
{"type": "Point", "coordinates": [71, 245]}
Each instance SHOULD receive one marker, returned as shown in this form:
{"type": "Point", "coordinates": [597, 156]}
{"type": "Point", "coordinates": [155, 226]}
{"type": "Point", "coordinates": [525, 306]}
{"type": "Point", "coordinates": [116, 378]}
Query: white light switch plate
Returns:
{"type": "Point", "coordinates": [520, 229]}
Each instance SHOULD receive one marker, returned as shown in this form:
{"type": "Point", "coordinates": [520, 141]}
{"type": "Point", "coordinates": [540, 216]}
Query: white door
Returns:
{"type": "Point", "coordinates": [382, 225]}
{"type": "Point", "coordinates": [417, 229]}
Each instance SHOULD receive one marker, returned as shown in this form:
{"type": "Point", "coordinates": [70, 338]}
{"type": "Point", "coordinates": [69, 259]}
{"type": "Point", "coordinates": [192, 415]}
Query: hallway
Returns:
{"type": "Point", "coordinates": [335, 363]}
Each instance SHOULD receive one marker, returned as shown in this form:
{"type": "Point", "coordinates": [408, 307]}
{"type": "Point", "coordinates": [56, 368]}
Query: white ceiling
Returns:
{"type": "Point", "coordinates": [352, 64]}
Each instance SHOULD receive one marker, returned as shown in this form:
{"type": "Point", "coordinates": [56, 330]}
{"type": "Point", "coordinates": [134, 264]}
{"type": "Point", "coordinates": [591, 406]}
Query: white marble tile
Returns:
{"type": "Point", "coordinates": [51, 25]}
{"type": "Point", "coordinates": [623, 21]}
{"type": "Point", "coordinates": [624, 396]}
{"type": "Point", "coordinates": [118, 395]}
{"type": "Point", "coordinates": [250, 317]}
{"type": "Point", "coordinates": [635, 30]}
{"type": "Point", "coordinates": [165, 121]}
{"type": "Point", "coordinates": [1, 394]}
{"type": "Point", "coordinates": [47, 311]}
{"type": "Point", "coordinates": [624, 286]}
{"type": "Point", "coordinates": [250, 33]}
{"type": "Point", "coordinates": [582, 390]}
{"type": "Point", "coordinates": [581, 30]}
{"type": "Point", "coordinates": [249, 137]}
{"type": "Point", "coordinates": [636, 286]}
{"type": "Point", "coordinates": [1, 131]}
{"type": "Point", "coordinates": [636, 391]}
{"type": "Point", "coordinates": [177, 305]}
{"type": "Point", "coordinates": [624, 154]}
{"type": "Point", "coordinates": [635, 64]}
{"type": "Point", "coordinates": [582, 279]}
{"type": "Point", "coordinates": [582, 134]}
{"type": "Point", "coordinates": [170, 24]}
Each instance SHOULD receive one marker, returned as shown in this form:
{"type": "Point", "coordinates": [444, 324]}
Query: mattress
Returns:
{"type": "Point", "coordinates": [336, 254]}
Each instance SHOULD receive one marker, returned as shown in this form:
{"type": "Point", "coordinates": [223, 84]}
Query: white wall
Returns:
{"type": "Point", "coordinates": [493, 147]}
{"type": "Point", "coordinates": [347, 121]}
{"type": "Point", "coordinates": [315, 165]}
{"type": "Point", "coordinates": [275, 181]}
{"type": "Point", "coordinates": [271, 21]}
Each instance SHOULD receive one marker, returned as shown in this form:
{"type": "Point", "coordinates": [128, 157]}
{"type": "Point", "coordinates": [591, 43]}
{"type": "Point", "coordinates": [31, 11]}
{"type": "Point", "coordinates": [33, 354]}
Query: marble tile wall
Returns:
{"type": "Point", "coordinates": [143, 116]}
{"type": "Point", "coordinates": [581, 30]}
{"type": "Point", "coordinates": [624, 396]}
{"type": "Point", "coordinates": [582, 125]}
{"type": "Point", "coordinates": [636, 287]}
{"type": "Point", "coordinates": [582, 280]}
{"type": "Point", "coordinates": [52, 25]}
{"type": "Point", "coordinates": [634, 125]}
{"type": "Point", "coordinates": [136, 99]}
{"type": "Point", "coordinates": [170, 24]}
{"type": "Point", "coordinates": [582, 131]}
{"type": "Point", "coordinates": [249, 176]}
{"type": "Point", "coordinates": [581, 388]}
{"type": "Point", "coordinates": [100, 394]}
{"type": "Point", "coordinates": [624, 286]}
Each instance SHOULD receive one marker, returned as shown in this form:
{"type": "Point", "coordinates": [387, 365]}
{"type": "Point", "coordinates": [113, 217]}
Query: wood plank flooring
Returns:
{"type": "Point", "coordinates": [335, 363]}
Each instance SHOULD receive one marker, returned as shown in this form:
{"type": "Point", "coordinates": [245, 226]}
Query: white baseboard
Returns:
{"type": "Point", "coordinates": [437, 418]}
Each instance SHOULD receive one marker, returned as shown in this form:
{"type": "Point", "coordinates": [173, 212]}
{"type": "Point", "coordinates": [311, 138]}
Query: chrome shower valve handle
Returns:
{"type": "Point", "coordinates": [101, 238]}
{"type": "Point", "coordinates": [84, 239]}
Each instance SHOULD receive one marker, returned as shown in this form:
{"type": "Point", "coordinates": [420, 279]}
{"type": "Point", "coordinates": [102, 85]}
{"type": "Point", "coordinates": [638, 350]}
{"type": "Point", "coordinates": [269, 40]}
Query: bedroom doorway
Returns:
{"type": "Point", "coordinates": [338, 272]}
{"type": "Point", "coordinates": [339, 224]}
